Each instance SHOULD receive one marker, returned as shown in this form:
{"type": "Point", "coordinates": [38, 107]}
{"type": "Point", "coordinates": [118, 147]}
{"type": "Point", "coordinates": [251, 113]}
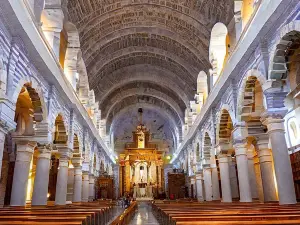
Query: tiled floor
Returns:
{"type": "Point", "coordinates": [144, 215]}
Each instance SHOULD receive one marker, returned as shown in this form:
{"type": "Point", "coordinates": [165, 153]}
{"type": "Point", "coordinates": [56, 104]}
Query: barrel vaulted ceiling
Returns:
{"type": "Point", "coordinates": [146, 53]}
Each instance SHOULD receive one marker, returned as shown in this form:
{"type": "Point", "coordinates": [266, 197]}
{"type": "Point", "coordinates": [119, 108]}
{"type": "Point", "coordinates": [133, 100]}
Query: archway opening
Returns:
{"type": "Point", "coordinates": [225, 138]}
{"type": "Point", "coordinates": [59, 137]}
{"type": "Point", "coordinates": [27, 113]}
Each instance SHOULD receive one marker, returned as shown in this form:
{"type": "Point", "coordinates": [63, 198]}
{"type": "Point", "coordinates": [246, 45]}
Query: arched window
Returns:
{"type": "Point", "coordinates": [293, 132]}
{"type": "Point", "coordinates": [218, 49]}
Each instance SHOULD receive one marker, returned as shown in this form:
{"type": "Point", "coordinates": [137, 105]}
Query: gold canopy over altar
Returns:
{"type": "Point", "coordinates": [141, 165]}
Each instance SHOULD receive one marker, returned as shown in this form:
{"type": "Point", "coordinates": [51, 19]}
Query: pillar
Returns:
{"type": "Point", "coordinates": [52, 26]}
{"type": "Point", "coordinates": [70, 185]}
{"type": "Point", "coordinates": [41, 181]}
{"type": "Point", "coordinates": [214, 176]}
{"type": "Point", "coordinates": [251, 172]}
{"type": "Point", "coordinates": [259, 183]}
{"type": "Point", "coordinates": [215, 183]}
{"type": "Point", "coordinates": [193, 189]}
{"type": "Point", "coordinates": [282, 163]}
{"type": "Point", "coordinates": [233, 178]}
{"type": "Point", "coordinates": [91, 188]}
{"type": "Point", "coordinates": [199, 187]}
{"type": "Point", "coordinates": [21, 172]}
{"type": "Point", "coordinates": [225, 178]}
{"type": "Point", "coordinates": [85, 186]}
{"type": "Point", "coordinates": [243, 173]}
{"type": "Point", "coordinates": [62, 181]}
{"type": "Point", "coordinates": [2, 140]}
{"type": "Point", "coordinates": [207, 183]}
{"type": "Point", "coordinates": [266, 168]}
{"type": "Point", "coordinates": [77, 183]}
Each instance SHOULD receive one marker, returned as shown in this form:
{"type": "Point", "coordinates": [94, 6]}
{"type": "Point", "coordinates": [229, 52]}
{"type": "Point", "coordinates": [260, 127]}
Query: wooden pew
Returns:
{"type": "Point", "coordinates": [225, 213]}
{"type": "Point", "coordinates": [84, 214]}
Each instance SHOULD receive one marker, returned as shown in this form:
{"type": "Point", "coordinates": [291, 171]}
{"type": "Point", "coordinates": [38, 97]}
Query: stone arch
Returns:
{"type": "Point", "coordinates": [29, 110]}
{"type": "Point", "coordinates": [277, 66]}
{"type": "Point", "coordinates": [218, 48]}
{"type": "Point", "coordinates": [207, 146]}
{"type": "Point", "coordinates": [60, 132]}
{"type": "Point", "coordinates": [76, 146]}
{"type": "Point", "coordinates": [252, 80]}
{"type": "Point", "coordinates": [224, 127]}
{"type": "Point", "coordinates": [35, 91]}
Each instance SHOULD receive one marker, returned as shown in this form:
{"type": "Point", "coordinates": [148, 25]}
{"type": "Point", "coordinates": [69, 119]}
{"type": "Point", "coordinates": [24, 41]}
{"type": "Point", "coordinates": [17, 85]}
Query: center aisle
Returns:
{"type": "Point", "coordinates": [144, 215]}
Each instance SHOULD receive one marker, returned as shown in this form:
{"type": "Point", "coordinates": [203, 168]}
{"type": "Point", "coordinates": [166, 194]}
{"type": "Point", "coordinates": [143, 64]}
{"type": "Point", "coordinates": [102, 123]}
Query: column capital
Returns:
{"type": "Point", "coordinates": [199, 176]}
{"type": "Point", "coordinates": [240, 133]}
{"type": "Point", "coordinates": [240, 147]}
{"type": "Point", "coordinates": [262, 142]}
{"type": "Point", "coordinates": [274, 124]}
{"type": "Point", "coordinates": [223, 158]}
{"type": "Point", "coordinates": [45, 152]}
{"type": "Point", "coordinates": [273, 116]}
{"type": "Point", "coordinates": [92, 179]}
{"type": "Point", "coordinates": [224, 148]}
{"type": "Point", "coordinates": [77, 170]}
{"type": "Point", "coordinates": [77, 161]}
{"type": "Point", "coordinates": [64, 151]}
{"type": "Point", "coordinates": [250, 154]}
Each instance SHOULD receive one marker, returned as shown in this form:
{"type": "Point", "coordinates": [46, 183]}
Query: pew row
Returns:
{"type": "Point", "coordinates": [93, 213]}
{"type": "Point", "coordinates": [185, 213]}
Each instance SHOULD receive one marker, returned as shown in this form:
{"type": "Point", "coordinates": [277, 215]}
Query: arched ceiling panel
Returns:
{"type": "Point", "coordinates": [144, 58]}
{"type": "Point", "coordinates": [145, 37]}
{"type": "Point", "coordinates": [146, 52]}
{"type": "Point", "coordinates": [146, 73]}
{"type": "Point", "coordinates": [146, 89]}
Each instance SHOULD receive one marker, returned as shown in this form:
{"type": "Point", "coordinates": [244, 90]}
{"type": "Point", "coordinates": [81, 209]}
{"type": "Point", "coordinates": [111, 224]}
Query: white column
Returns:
{"type": "Point", "coordinates": [40, 189]}
{"type": "Point", "coordinates": [267, 171]}
{"type": "Point", "coordinates": [91, 188]}
{"type": "Point", "coordinates": [225, 179]}
{"type": "Point", "coordinates": [77, 183]}
{"type": "Point", "coordinates": [70, 185]}
{"type": "Point", "coordinates": [233, 177]}
{"type": "Point", "coordinates": [21, 172]}
{"type": "Point", "coordinates": [243, 174]}
{"type": "Point", "coordinates": [52, 26]}
{"type": "Point", "coordinates": [252, 177]}
{"type": "Point", "coordinates": [207, 184]}
{"type": "Point", "coordinates": [85, 186]}
{"type": "Point", "coordinates": [282, 163]}
{"type": "Point", "coordinates": [2, 140]}
{"type": "Point", "coordinates": [215, 183]}
{"type": "Point", "coordinates": [62, 181]}
{"type": "Point", "coordinates": [199, 187]}
{"type": "Point", "coordinates": [214, 176]}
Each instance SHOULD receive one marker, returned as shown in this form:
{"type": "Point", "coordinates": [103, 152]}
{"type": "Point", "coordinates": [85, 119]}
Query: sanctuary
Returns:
{"type": "Point", "coordinates": [141, 165]}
